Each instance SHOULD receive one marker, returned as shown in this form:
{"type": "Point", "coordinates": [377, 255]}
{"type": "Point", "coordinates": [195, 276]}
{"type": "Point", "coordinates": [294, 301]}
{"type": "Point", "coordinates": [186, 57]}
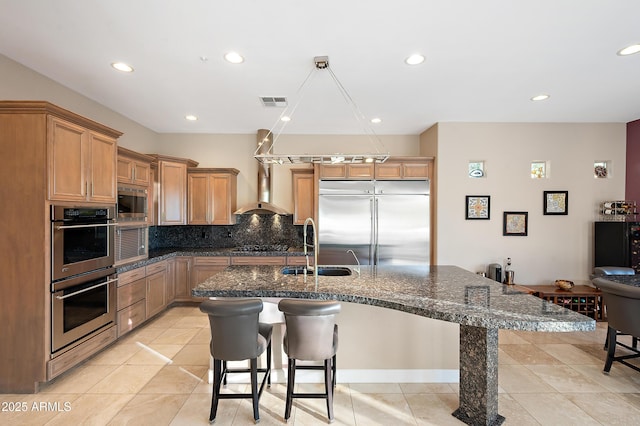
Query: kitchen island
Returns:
{"type": "Point", "coordinates": [448, 293]}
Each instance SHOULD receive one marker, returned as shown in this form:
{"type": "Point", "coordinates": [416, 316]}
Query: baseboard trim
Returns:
{"type": "Point", "coordinates": [360, 376]}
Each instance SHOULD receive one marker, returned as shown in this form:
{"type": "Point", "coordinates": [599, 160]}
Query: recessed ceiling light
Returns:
{"type": "Point", "coordinates": [285, 118]}
{"type": "Point", "coordinates": [629, 50]}
{"type": "Point", "coordinates": [376, 120]}
{"type": "Point", "coordinates": [190, 117]}
{"type": "Point", "coordinates": [414, 59]}
{"type": "Point", "coordinates": [121, 66]}
{"type": "Point", "coordinates": [540, 97]}
{"type": "Point", "coordinates": [234, 58]}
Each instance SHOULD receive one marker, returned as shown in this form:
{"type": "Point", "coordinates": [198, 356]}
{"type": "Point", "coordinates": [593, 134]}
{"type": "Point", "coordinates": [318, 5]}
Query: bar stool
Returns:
{"type": "Point", "coordinates": [311, 334]}
{"type": "Point", "coordinates": [603, 271]}
{"type": "Point", "coordinates": [236, 335]}
{"type": "Point", "coordinates": [624, 303]}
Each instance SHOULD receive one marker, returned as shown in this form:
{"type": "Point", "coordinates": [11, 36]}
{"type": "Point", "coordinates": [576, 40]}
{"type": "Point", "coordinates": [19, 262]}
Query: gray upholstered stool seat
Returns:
{"type": "Point", "coordinates": [623, 306]}
{"type": "Point", "coordinates": [311, 335]}
{"type": "Point", "coordinates": [236, 335]}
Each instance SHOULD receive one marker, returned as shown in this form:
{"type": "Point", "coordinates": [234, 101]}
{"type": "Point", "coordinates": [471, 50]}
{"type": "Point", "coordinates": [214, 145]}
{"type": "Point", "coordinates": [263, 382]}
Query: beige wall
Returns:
{"type": "Point", "coordinates": [18, 82]}
{"type": "Point", "coordinates": [556, 246]}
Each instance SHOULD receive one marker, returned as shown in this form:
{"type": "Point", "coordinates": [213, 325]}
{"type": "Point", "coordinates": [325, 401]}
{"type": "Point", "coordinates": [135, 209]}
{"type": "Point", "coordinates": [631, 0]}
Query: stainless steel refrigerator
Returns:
{"type": "Point", "coordinates": [383, 222]}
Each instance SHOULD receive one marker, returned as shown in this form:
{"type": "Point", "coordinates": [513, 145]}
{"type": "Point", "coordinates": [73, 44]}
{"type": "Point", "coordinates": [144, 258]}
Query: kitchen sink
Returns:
{"type": "Point", "coordinates": [330, 271]}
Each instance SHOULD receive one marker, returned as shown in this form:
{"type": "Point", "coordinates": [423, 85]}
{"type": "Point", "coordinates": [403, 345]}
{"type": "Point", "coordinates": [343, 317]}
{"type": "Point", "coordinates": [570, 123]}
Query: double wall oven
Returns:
{"type": "Point", "coordinates": [83, 286]}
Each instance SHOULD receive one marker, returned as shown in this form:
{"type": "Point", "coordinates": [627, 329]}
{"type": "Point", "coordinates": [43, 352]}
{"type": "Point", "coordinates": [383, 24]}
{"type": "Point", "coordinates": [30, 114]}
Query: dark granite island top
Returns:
{"type": "Point", "coordinates": [449, 293]}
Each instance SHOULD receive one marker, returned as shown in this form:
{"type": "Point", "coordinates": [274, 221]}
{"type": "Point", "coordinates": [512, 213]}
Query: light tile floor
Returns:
{"type": "Point", "coordinates": [157, 375]}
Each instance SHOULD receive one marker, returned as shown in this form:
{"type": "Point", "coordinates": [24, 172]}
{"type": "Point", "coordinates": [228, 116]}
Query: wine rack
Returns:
{"type": "Point", "coordinates": [618, 211]}
{"type": "Point", "coordinates": [583, 299]}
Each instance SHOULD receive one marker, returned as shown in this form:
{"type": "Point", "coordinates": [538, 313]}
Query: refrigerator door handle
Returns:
{"type": "Point", "coordinates": [375, 232]}
{"type": "Point", "coordinates": [372, 235]}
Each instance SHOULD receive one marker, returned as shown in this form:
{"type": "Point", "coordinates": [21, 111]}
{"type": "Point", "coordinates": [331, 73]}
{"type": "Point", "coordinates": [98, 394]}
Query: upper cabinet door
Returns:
{"type": "Point", "coordinates": [172, 198]}
{"type": "Point", "coordinates": [82, 164]}
{"type": "Point", "coordinates": [102, 168]}
{"type": "Point", "coordinates": [134, 168]}
{"type": "Point", "coordinates": [199, 199]}
{"type": "Point", "coordinates": [67, 152]}
{"type": "Point", "coordinates": [223, 194]}
{"type": "Point", "coordinates": [303, 195]}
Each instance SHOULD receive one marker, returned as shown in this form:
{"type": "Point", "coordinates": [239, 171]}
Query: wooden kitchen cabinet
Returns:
{"type": "Point", "coordinates": [355, 171]}
{"type": "Point", "coordinates": [172, 189]}
{"type": "Point", "coordinates": [39, 168]}
{"type": "Point", "coordinates": [134, 168]}
{"type": "Point", "coordinates": [303, 194]}
{"type": "Point", "coordinates": [182, 278]}
{"type": "Point", "coordinates": [258, 260]}
{"type": "Point", "coordinates": [212, 195]}
{"type": "Point", "coordinates": [299, 260]}
{"type": "Point", "coordinates": [171, 280]}
{"type": "Point", "coordinates": [131, 294]}
{"type": "Point", "coordinates": [404, 168]}
{"type": "Point", "coordinates": [156, 299]}
{"type": "Point", "coordinates": [203, 268]}
{"type": "Point", "coordinates": [82, 163]}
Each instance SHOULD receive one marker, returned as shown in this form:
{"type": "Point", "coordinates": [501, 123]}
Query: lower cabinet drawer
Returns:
{"type": "Point", "coordinates": [131, 293]}
{"type": "Point", "coordinates": [131, 317]}
{"type": "Point", "coordinates": [299, 260]}
{"type": "Point", "coordinates": [74, 356]}
{"type": "Point", "coordinates": [258, 260]}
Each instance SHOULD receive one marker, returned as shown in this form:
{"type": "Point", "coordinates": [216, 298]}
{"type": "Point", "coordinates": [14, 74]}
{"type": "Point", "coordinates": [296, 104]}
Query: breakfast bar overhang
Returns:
{"type": "Point", "coordinates": [481, 306]}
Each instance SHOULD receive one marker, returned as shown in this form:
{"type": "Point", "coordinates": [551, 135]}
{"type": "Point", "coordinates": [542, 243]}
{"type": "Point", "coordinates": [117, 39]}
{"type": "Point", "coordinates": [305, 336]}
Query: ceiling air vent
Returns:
{"type": "Point", "coordinates": [274, 101]}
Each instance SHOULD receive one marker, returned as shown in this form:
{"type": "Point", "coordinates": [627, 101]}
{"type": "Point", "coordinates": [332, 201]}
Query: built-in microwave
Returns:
{"type": "Point", "coordinates": [132, 204]}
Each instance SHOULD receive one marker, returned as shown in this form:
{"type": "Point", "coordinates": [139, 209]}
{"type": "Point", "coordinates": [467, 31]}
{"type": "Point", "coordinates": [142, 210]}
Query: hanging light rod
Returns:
{"type": "Point", "coordinates": [269, 157]}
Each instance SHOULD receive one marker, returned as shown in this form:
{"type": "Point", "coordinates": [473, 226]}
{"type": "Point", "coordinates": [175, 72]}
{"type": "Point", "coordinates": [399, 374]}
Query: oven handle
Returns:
{"type": "Point", "coordinates": [84, 226]}
{"type": "Point", "coordinates": [75, 293]}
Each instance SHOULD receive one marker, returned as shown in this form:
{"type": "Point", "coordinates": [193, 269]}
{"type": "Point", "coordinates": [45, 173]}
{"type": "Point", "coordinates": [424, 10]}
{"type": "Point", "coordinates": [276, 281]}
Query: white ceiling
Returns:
{"type": "Point", "coordinates": [485, 59]}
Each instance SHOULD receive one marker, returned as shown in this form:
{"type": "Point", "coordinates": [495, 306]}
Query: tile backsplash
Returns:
{"type": "Point", "coordinates": [249, 230]}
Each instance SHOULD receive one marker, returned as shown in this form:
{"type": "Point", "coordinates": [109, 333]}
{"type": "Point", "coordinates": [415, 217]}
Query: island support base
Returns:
{"type": "Point", "coordinates": [478, 377]}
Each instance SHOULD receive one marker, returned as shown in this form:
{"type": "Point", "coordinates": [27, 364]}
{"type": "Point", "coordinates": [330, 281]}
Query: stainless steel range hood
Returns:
{"type": "Point", "coordinates": [264, 205]}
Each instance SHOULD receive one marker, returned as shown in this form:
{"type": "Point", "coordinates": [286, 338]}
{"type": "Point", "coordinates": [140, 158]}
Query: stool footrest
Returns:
{"type": "Point", "coordinates": [309, 395]}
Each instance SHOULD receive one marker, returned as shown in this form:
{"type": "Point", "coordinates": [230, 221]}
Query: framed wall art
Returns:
{"type": "Point", "coordinates": [477, 207]}
{"type": "Point", "coordinates": [556, 202]}
{"type": "Point", "coordinates": [515, 224]}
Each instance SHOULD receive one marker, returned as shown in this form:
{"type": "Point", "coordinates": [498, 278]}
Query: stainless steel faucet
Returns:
{"type": "Point", "coordinates": [308, 221]}
{"type": "Point", "coordinates": [357, 261]}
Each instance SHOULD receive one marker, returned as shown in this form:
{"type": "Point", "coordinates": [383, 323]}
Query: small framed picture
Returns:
{"type": "Point", "coordinates": [515, 224]}
{"type": "Point", "coordinates": [477, 207]}
{"type": "Point", "coordinates": [556, 202]}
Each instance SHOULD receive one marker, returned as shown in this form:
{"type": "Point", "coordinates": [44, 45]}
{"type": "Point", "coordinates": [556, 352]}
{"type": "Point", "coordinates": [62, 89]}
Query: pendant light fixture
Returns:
{"type": "Point", "coordinates": [268, 156]}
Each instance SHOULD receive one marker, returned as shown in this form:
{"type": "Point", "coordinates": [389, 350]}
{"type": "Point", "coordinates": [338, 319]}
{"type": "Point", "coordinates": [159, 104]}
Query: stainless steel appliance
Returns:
{"type": "Point", "coordinates": [383, 222]}
{"type": "Point", "coordinates": [132, 204]}
{"type": "Point", "coordinates": [81, 306]}
{"type": "Point", "coordinates": [82, 240]}
{"type": "Point", "coordinates": [131, 243]}
{"type": "Point", "coordinates": [495, 272]}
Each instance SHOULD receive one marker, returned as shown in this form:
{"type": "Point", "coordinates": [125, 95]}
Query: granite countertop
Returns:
{"type": "Point", "coordinates": [447, 293]}
{"type": "Point", "coordinates": [158, 255]}
{"type": "Point", "coordinates": [633, 280]}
